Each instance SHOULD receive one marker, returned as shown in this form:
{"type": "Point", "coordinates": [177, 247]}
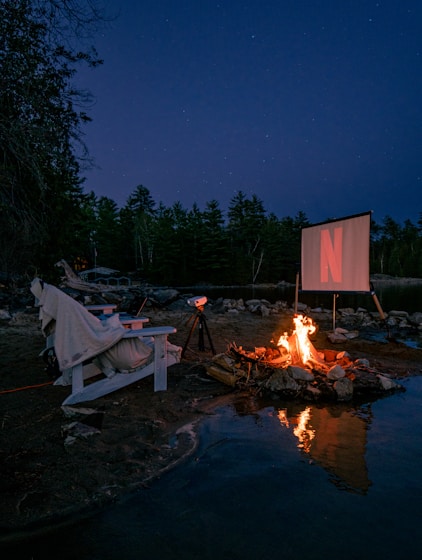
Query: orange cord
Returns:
{"type": "Point", "coordinates": [27, 387]}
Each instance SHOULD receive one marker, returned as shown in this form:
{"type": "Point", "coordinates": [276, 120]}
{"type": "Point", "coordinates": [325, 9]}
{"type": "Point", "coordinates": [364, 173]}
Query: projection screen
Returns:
{"type": "Point", "coordinates": [335, 255]}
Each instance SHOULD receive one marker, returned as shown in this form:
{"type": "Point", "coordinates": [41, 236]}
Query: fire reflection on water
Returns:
{"type": "Point", "coordinates": [335, 438]}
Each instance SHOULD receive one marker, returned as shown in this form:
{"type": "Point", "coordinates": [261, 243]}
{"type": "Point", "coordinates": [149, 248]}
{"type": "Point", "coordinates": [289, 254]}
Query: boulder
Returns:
{"type": "Point", "coordinates": [299, 373]}
{"type": "Point", "coordinates": [388, 384]}
{"type": "Point", "coordinates": [415, 319]}
{"type": "Point", "coordinates": [281, 381]}
{"type": "Point", "coordinates": [344, 389]}
{"type": "Point", "coordinates": [336, 372]}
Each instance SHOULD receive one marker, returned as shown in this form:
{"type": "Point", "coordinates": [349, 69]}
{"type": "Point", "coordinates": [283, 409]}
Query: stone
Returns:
{"type": "Point", "coordinates": [416, 318]}
{"type": "Point", "coordinates": [165, 296]}
{"type": "Point", "coordinates": [299, 373]}
{"type": "Point", "coordinates": [5, 315]}
{"type": "Point", "coordinates": [336, 338]}
{"type": "Point", "coordinates": [344, 389]}
{"type": "Point", "coordinates": [387, 384]}
{"type": "Point", "coordinates": [336, 372]}
{"type": "Point", "coordinates": [233, 311]}
{"type": "Point", "coordinates": [312, 392]}
{"type": "Point", "coordinates": [396, 313]}
{"type": "Point", "coordinates": [351, 334]}
{"type": "Point", "coordinates": [342, 354]}
{"type": "Point", "coordinates": [361, 310]}
{"type": "Point", "coordinates": [363, 362]}
{"type": "Point", "coordinates": [264, 310]}
{"type": "Point", "coordinates": [253, 302]}
{"type": "Point", "coordinates": [346, 311]}
{"type": "Point", "coordinates": [280, 380]}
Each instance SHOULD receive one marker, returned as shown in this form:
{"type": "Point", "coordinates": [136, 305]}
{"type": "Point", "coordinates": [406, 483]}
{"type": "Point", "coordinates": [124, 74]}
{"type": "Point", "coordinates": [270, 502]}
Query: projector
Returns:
{"type": "Point", "coordinates": [197, 301]}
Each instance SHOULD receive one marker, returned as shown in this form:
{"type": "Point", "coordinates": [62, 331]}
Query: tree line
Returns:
{"type": "Point", "coordinates": [47, 216]}
{"type": "Point", "coordinates": [179, 246]}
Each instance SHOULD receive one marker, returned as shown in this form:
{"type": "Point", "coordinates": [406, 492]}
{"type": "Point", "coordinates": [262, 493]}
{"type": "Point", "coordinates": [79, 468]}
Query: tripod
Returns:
{"type": "Point", "coordinates": [199, 318]}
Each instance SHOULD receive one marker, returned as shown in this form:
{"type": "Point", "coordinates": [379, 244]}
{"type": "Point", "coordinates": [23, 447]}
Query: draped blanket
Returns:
{"type": "Point", "coordinates": [78, 335]}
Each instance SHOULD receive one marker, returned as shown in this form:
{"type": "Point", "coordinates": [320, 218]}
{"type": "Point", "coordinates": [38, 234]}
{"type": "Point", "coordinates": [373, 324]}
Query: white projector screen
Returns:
{"type": "Point", "coordinates": [335, 255]}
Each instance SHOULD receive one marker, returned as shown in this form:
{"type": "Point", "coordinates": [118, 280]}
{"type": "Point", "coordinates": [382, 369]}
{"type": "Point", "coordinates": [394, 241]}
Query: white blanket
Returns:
{"type": "Point", "coordinates": [79, 335]}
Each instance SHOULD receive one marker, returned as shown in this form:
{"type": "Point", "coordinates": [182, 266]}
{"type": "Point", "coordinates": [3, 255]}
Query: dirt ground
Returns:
{"type": "Point", "coordinates": [140, 433]}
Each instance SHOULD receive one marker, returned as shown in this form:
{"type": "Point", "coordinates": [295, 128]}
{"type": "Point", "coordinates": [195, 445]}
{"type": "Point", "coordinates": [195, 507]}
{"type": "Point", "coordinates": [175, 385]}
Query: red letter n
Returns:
{"type": "Point", "coordinates": [331, 255]}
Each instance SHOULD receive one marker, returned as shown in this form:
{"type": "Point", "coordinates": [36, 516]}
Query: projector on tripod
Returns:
{"type": "Point", "coordinates": [198, 317]}
{"type": "Point", "coordinates": [197, 301]}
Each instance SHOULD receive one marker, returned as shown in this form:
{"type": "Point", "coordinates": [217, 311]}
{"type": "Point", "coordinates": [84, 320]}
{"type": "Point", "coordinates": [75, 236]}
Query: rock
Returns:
{"type": "Point", "coordinates": [346, 311]}
{"type": "Point", "coordinates": [312, 393]}
{"type": "Point", "coordinates": [253, 303]}
{"type": "Point", "coordinates": [165, 296]}
{"type": "Point", "coordinates": [5, 315]}
{"type": "Point", "coordinates": [415, 319]}
{"type": "Point", "coordinates": [351, 334]}
{"type": "Point", "coordinates": [363, 362]}
{"type": "Point", "coordinates": [336, 372]}
{"type": "Point", "coordinates": [264, 310]}
{"type": "Point", "coordinates": [388, 384]}
{"type": "Point", "coordinates": [299, 373]}
{"type": "Point", "coordinates": [219, 306]}
{"type": "Point", "coordinates": [233, 311]}
{"type": "Point", "coordinates": [336, 338]}
{"type": "Point", "coordinates": [400, 314]}
{"type": "Point", "coordinates": [76, 430]}
{"type": "Point", "coordinates": [344, 389]}
{"type": "Point", "coordinates": [280, 380]}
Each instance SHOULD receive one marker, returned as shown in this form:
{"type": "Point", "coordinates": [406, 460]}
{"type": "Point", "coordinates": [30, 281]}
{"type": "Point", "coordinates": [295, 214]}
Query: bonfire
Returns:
{"type": "Point", "coordinates": [294, 368]}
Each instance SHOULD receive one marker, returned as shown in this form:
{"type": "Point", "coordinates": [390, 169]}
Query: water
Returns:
{"type": "Point", "coordinates": [403, 298]}
{"type": "Point", "coordinates": [273, 479]}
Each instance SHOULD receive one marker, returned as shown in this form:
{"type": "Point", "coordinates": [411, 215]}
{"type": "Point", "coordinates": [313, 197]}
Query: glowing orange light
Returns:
{"type": "Point", "coordinates": [298, 344]}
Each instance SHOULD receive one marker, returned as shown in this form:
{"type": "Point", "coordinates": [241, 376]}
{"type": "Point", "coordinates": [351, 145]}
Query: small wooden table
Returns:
{"type": "Point", "coordinates": [133, 323]}
{"type": "Point", "coordinates": [105, 308]}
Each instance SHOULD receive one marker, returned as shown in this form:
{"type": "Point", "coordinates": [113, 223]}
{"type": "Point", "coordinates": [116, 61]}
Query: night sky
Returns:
{"type": "Point", "coordinates": [310, 105]}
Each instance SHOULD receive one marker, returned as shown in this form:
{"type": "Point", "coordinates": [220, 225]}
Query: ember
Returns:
{"type": "Point", "coordinates": [296, 369]}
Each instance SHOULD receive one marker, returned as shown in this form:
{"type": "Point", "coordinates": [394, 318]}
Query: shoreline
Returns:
{"type": "Point", "coordinates": [42, 476]}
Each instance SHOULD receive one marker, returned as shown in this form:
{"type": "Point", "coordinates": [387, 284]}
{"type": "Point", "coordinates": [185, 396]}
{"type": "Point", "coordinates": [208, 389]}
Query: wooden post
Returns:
{"type": "Point", "coordinates": [378, 305]}
{"type": "Point", "coordinates": [296, 292]}
{"type": "Point", "coordinates": [334, 311]}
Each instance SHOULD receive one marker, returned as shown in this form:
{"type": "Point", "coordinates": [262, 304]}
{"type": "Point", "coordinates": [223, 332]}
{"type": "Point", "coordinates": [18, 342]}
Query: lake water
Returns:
{"type": "Point", "coordinates": [403, 298]}
{"type": "Point", "coordinates": [272, 479]}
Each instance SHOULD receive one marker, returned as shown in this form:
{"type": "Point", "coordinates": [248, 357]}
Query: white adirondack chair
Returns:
{"type": "Point", "coordinates": [98, 357]}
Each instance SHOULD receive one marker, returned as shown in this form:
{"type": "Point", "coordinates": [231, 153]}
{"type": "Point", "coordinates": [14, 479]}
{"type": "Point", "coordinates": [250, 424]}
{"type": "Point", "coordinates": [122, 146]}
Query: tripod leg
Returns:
{"type": "Point", "coordinates": [201, 345]}
{"type": "Point", "coordinates": [190, 334]}
{"type": "Point", "coordinates": [209, 336]}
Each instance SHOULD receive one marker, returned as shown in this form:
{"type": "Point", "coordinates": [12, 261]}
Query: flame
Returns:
{"type": "Point", "coordinates": [303, 431]}
{"type": "Point", "coordinates": [298, 344]}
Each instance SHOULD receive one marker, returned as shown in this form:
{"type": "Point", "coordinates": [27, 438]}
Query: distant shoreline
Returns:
{"type": "Point", "coordinates": [400, 281]}
{"type": "Point", "coordinates": [375, 278]}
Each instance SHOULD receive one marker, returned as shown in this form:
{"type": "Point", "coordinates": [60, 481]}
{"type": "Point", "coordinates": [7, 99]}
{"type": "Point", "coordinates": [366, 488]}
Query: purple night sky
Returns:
{"type": "Point", "coordinates": [310, 105]}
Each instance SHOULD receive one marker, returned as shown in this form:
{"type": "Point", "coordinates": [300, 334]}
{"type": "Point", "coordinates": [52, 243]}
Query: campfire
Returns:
{"type": "Point", "coordinates": [294, 368]}
{"type": "Point", "coordinates": [299, 348]}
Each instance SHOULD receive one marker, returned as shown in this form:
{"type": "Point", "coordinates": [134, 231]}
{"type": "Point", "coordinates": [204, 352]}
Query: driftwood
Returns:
{"type": "Point", "coordinates": [72, 280]}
